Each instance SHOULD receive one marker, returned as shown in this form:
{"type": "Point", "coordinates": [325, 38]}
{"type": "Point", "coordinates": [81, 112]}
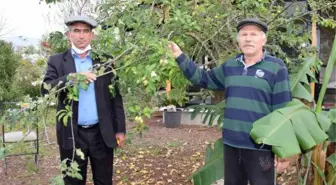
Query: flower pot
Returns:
{"type": "Point", "coordinates": [172, 119]}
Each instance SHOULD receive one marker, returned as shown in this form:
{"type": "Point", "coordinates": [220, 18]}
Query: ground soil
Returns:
{"type": "Point", "coordinates": [161, 156]}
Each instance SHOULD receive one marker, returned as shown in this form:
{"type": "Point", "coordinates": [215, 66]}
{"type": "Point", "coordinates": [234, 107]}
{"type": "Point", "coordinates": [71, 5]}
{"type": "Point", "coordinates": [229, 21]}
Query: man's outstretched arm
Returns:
{"type": "Point", "coordinates": [212, 79]}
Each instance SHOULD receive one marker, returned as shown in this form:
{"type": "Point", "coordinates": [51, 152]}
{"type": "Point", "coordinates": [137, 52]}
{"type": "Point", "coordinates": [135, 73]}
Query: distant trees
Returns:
{"type": "Point", "coordinates": [8, 65]}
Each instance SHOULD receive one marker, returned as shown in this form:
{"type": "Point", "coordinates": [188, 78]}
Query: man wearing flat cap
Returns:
{"type": "Point", "coordinates": [98, 119]}
{"type": "Point", "coordinates": [255, 84]}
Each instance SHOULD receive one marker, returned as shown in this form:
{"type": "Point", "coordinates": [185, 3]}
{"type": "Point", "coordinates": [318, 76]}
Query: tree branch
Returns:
{"type": "Point", "coordinates": [307, 13]}
{"type": "Point", "coordinates": [109, 63]}
{"type": "Point", "coordinates": [81, 8]}
{"type": "Point", "coordinates": [73, 136]}
{"type": "Point", "coordinates": [281, 12]}
{"type": "Point", "coordinates": [202, 44]}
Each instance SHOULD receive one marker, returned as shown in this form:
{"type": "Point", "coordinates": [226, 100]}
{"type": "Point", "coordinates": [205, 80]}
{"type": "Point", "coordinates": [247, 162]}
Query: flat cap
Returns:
{"type": "Point", "coordinates": [251, 21]}
{"type": "Point", "coordinates": [83, 19]}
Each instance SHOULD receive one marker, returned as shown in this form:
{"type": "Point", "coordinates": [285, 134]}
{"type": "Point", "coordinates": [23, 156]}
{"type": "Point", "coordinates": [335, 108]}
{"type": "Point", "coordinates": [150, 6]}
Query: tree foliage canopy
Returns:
{"type": "Point", "coordinates": [8, 65]}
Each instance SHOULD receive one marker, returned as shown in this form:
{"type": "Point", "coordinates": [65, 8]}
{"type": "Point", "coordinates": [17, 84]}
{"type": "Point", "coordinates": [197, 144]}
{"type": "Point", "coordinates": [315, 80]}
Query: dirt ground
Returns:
{"type": "Point", "coordinates": [161, 156]}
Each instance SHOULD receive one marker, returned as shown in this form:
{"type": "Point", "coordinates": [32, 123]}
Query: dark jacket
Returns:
{"type": "Point", "coordinates": [110, 109]}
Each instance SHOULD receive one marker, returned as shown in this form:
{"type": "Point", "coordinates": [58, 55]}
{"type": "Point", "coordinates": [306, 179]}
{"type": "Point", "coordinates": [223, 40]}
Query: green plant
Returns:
{"type": "Point", "coordinates": [9, 61]}
{"type": "Point", "coordinates": [175, 97]}
{"type": "Point", "coordinates": [55, 42]}
{"type": "Point", "coordinates": [26, 81]}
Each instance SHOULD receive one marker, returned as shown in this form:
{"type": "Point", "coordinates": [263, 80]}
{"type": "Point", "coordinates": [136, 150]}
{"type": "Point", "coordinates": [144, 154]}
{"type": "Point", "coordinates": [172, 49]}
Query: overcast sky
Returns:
{"type": "Point", "coordinates": [27, 18]}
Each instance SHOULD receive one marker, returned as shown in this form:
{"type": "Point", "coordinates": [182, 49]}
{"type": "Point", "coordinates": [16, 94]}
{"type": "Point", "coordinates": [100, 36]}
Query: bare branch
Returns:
{"type": "Point", "coordinates": [3, 27]}
{"type": "Point", "coordinates": [273, 3]}
{"type": "Point", "coordinates": [68, 8]}
{"type": "Point", "coordinates": [281, 12]}
{"type": "Point", "coordinates": [81, 8]}
{"type": "Point", "coordinates": [307, 13]}
{"type": "Point", "coordinates": [111, 62]}
{"type": "Point", "coordinates": [202, 44]}
{"type": "Point", "coordinates": [153, 4]}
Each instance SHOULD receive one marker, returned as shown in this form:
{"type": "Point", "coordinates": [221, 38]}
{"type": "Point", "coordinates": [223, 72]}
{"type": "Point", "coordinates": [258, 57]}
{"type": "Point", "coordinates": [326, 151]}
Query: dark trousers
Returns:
{"type": "Point", "coordinates": [244, 165]}
{"type": "Point", "coordinates": [91, 143]}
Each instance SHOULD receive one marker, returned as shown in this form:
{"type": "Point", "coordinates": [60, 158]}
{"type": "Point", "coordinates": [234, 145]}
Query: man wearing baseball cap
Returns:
{"type": "Point", "coordinates": [97, 125]}
{"type": "Point", "coordinates": [255, 84]}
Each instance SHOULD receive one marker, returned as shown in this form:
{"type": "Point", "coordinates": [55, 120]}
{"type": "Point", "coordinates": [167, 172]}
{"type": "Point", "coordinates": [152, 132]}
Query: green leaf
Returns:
{"type": "Point", "coordinates": [59, 112]}
{"type": "Point", "coordinates": [84, 86]}
{"type": "Point", "coordinates": [101, 71]}
{"type": "Point", "coordinates": [74, 165]}
{"type": "Point", "coordinates": [332, 115]}
{"type": "Point", "coordinates": [211, 119]}
{"type": "Point", "coordinates": [78, 176]}
{"type": "Point", "coordinates": [63, 165]}
{"type": "Point", "coordinates": [311, 75]}
{"type": "Point", "coordinates": [58, 180]}
{"type": "Point", "coordinates": [298, 81]}
{"type": "Point", "coordinates": [213, 169]}
{"type": "Point", "coordinates": [65, 120]}
{"type": "Point", "coordinates": [80, 153]}
{"type": "Point", "coordinates": [324, 120]}
{"type": "Point", "coordinates": [332, 160]}
{"type": "Point", "coordinates": [332, 133]}
{"type": "Point", "coordinates": [3, 153]}
{"type": "Point", "coordinates": [46, 86]}
{"type": "Point", "coordinates": [304, 80]}
{"type": "Point", "coordinates": [60, 116]}
{"type": "Point", "coordinates": [210, 112]}
{"type": "Point", "coordinates": [68, 173]}
{"type": "Point", "coordinates": [132, 109]}
{"type": "Point", "coordinates": [327, 75]}
{"type": "Point", "coordinates": [301, 92]}
{"type": "Point", "coordinates": [207, 114]}
{"type": "Point", "coordinates": [295, 79]}
{"type": "Point", "coordinates": [81, 77]}
{"type": "Point", "coordinates": [137, 108]}
{"type": "Point", "coordinates": [289, 129]}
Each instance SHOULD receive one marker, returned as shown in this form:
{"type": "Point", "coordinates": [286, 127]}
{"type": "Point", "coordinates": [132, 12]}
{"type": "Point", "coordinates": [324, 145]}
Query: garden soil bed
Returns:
{"type": "Point", "coordinates": [161, 156]}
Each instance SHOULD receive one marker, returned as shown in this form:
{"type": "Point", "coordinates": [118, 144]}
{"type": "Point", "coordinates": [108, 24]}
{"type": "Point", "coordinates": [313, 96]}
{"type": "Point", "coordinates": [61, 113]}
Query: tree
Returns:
{"type": "Point", "coordinates": [8, 64]}
{"type": "Point", "coordinates": [55, 42]}
{"type": "Point", "coordinates": [136, 34]}
{"type": "Point", "coordinates": [26, 81]}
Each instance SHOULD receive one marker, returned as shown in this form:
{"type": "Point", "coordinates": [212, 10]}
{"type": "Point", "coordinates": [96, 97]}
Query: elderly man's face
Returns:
{"type": "Point", "coordinates": [251, 40]}
{"type": "Point", "coordinates": [80, 35]}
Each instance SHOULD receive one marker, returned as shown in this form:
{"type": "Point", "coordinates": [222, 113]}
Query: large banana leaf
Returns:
{"type": "Point", "coordinates": [299, 83]}
{"type": "Point", "coordinates": [211, 112]}
{"type": "Point", "coordinates": [332, 129]}
{"type": "Point", "coordinates": [290, 129]}
{"type": "Point", "coordinates": [332, 133]}
{"type": "Point", "coordinates": [213, 169]}
{"type": "Point", "coordinates": [327, 76]}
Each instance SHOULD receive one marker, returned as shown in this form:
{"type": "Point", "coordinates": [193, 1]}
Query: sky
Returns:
{"type": "Point", "coordinates": [28, 18]}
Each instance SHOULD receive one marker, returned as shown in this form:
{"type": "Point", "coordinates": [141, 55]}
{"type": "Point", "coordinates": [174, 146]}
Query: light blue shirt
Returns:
{"type": "Point", "coordinates": [87, 106]}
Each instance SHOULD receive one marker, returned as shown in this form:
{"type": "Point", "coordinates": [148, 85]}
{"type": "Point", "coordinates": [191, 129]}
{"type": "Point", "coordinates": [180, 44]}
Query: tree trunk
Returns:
{"type": "Point", "coordinates": [319, 160]}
